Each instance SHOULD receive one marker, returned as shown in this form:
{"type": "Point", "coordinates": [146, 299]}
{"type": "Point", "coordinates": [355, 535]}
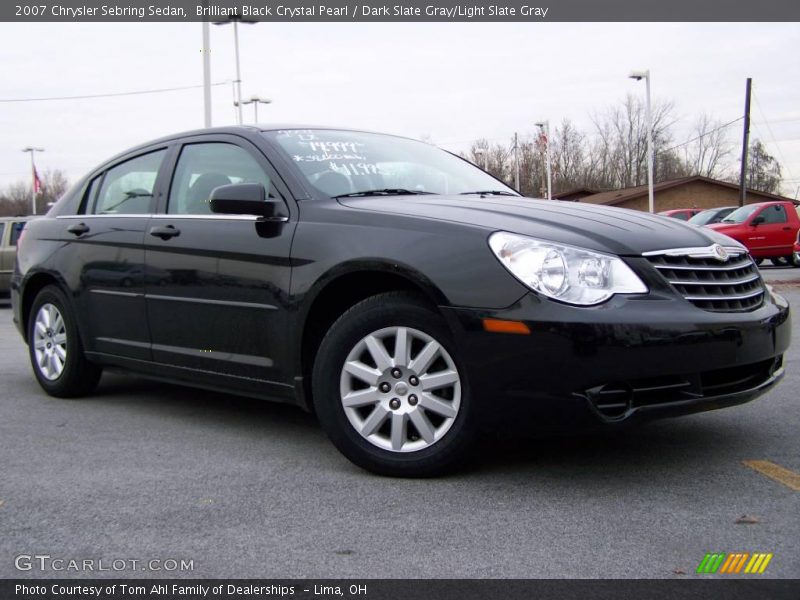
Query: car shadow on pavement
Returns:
{"type": "Point", "coordinates": [527, 448]}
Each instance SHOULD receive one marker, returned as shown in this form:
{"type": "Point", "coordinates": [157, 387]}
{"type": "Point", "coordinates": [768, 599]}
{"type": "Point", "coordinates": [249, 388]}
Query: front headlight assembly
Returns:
{"type": "Point", "coordinates": [565, 273]}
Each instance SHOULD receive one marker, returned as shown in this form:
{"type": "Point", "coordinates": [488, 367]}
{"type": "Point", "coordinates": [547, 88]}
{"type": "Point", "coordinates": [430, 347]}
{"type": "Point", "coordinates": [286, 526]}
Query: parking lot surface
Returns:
{"type": "Point", "coordinates": [144, 470]}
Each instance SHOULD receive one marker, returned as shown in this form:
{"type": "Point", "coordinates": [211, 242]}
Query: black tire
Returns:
{"type": "Point", "coordinates": [758, 261]}
{"type": "Point", "coordinates": [780, 261]}
{"type": "Point", "coordinates": [375, 314]}
{"type": "Point", "coordinates": [79, 377]}
{"type": "Point", "coordinates": [796, 260]}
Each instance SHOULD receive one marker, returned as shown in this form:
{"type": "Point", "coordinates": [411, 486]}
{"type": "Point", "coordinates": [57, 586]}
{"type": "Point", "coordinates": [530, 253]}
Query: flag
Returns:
{"type": "Point", "coordinates": [37, 183]}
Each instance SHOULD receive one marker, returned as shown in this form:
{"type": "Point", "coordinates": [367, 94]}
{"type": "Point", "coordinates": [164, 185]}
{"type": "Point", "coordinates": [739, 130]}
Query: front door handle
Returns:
{"type": "Point", "coordinates": [166, 232]}
{"type": "Point", "coordinates": [787, 228]}
{"type": "Point", "coordinates": [78, 228]}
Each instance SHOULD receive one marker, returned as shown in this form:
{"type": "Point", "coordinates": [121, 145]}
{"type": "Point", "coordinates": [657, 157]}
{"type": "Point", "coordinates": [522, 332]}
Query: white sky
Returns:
{"type": "Point", "coordinates": [453, 82]}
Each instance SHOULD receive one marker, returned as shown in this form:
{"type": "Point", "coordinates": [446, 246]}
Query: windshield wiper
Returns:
{"type": "Point", "coordinates": [383, 192]}
{"type": "Point", "coordinates": [489, 193]}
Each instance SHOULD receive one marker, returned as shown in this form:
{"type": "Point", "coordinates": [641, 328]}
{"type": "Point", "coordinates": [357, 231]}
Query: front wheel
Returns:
{"type": "Point", "coordinates": [780, 261]}
{"type": "Point", "coordinates": [390, 390]}
{"type": "Point", "coordinates": [55, 348]}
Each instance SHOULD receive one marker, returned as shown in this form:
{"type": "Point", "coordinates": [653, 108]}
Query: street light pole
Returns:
{"type": "Point", "coordinates": [206, 75]}
{"type": "Point", "coordinates": [255, 101]}
{"type": "Point", "coordinates": [235, 19]}
{"type": "Point", "coordinates": [544, 126]}
{"type": "Point", "coordinates": [638, 76]}
{"type": "Point", "coordinates": [33, 150]}
{"type": "Point", "coordinates": [484, 158]}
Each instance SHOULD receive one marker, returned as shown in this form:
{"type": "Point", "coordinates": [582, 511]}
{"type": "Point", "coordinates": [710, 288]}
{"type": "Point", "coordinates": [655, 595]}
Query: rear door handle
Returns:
{"type": "Point", "coordinates": [78, 228]}
{"type": "Point", "coordinates": [169, 231]}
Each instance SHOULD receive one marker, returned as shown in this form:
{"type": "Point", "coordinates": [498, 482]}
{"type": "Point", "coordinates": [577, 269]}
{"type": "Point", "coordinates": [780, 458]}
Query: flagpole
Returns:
{"type": "Point", "coordinates": [33, 150]}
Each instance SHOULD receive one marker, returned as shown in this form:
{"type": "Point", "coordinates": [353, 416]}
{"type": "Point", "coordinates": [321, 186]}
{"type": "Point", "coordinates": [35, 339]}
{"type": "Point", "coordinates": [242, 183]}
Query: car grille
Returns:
{"type": "Point", "coordinates": [716, 279]}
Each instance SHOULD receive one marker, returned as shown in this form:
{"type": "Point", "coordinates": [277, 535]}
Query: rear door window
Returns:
{"type": "Point", "coordinates": [16, 230]}
{"type": "Point", "coordinates": [128, 187]}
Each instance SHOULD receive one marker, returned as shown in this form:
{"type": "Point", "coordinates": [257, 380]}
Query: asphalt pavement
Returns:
{"type": "Point", "coordinates": [148, 471]}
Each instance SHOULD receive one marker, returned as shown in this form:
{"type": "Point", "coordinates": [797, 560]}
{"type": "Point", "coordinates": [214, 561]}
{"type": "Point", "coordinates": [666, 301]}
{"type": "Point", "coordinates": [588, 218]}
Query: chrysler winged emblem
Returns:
{"type": "Point", "coordinates": [719, 252]}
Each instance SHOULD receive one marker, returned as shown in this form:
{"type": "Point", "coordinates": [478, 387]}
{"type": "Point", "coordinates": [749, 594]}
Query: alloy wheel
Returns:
{"type": "Point", "coordinates": [400, 389]}
{"type": "Point", "coordinates": [50, 342]}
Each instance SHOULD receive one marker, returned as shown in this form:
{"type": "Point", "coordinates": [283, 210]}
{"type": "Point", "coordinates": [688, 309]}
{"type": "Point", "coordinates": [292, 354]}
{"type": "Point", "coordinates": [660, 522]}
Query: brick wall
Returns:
{"type": "Point", "coordinates": [697, 194]}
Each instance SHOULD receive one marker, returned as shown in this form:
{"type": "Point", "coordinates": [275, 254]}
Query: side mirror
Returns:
{"type": "Point", "coordinates": [757, 221]}
{"type": "Point", "coordinates": [242, 199]}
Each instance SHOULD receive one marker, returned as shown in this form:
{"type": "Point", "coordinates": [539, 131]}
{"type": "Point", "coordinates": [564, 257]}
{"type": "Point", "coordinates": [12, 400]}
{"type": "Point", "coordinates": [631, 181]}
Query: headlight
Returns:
{"type": "Point", "coordinates": [565, 273]}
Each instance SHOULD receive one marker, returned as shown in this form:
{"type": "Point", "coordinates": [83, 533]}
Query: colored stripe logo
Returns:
{"type": "Point", "coordinates": [734, 563]}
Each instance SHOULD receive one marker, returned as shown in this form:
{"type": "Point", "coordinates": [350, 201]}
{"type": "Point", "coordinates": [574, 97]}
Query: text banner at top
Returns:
{"type": "Point", "coordinates": [401, 11]}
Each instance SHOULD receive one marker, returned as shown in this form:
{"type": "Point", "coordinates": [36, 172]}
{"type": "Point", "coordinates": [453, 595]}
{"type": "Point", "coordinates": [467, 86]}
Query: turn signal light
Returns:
{"type": "Point", "coordinates": [502, 326]}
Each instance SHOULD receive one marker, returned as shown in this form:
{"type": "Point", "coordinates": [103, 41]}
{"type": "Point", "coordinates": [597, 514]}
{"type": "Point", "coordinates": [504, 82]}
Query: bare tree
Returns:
{"type": "Point", "coordinates": [16, 198]}
{"type": "Point", "coordinates": [568, 153]}
{"type": "Point", "coordinates": [706, 154]}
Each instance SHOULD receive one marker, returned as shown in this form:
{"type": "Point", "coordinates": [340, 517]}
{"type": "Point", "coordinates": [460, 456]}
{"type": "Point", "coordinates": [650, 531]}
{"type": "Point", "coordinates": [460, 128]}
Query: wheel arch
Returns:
{"type": "Point", "coordinates": [342, 288]}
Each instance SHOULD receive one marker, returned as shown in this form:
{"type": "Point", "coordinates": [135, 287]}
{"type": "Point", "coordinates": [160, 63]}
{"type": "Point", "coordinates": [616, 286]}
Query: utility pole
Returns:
{"type": "Point", "coordinates": [516, 162]}
{"type": "Point", "coordinates": [745, 143]}
{"type": "Point", "coordinates": [33, 150]}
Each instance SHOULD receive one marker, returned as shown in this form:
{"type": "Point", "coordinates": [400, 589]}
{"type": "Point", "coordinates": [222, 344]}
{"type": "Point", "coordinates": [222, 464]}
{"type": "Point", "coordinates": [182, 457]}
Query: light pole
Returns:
{"type": "Point", "coordinates": [544, 126]}
{"type": "Point", "coordinates": [255, 101]}
{"type": "Point", "coordinates": [638, 76]}
{"type": "Point", "coordinates": [33, 150]}
{"type": "Point", "coordinates": [236, 19]}
{"type": "Point", "coordinates": [206, 75]}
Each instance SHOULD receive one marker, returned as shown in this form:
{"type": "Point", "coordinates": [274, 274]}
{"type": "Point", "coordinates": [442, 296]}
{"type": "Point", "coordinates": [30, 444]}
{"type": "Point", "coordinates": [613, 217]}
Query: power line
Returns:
{"type": "Point", "coordinates": [702, 135]}
{"type": "Point", "coordinates": [110, 95]}
{"type": "Point", "coordinates": [772, 135]}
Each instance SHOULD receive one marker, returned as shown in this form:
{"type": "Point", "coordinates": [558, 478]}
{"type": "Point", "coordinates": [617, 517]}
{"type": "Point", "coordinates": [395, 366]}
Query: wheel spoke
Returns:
{"type": "Point", "coordinates": [374, 421]}
{"type": "Point", "coordinates": [401, 347]}
{"type": "Point", "coordinates": [41, 328]}
{"type": "Point", "coordinates": [438, 380]}
{"type": "Point", "coordinates": [425, 358]}
{"type": "Point", "coordinates": [58, 325]}
{"type": "Point", "coordinates": [52, 364]}
{"type": "Point", "coordinates": [423, 426]}
{"type": "Point", "coordinates": [433, 404]}
{"type": "Point", "coordinates": [51, 315]}
{"type": "Point", "coordinates": [61, 353]}
{"type": "Point", "coordinates": [40, 344]}
{"type": "Point", "coordinates": [363, 372]}
{"type": "Point", "coordinates": [378, 353]}
{"type": "Point", "coordinates": [360, 398]}
{"type": "Point", "coordinates": [399, 430]}
{"type": "Point", "coordinates": [60, 339]}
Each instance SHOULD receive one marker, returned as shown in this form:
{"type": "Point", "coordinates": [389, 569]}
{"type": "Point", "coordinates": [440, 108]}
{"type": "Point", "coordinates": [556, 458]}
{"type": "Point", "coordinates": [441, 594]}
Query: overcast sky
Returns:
{"type": "Point", "coordinates": [453, 82]}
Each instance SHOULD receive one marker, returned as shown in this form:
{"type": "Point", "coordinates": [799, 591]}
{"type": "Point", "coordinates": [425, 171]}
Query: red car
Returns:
{"type": "Point", "coordinates": [768, 229]}
{"type": "Point", "coordinates": [684, 214]}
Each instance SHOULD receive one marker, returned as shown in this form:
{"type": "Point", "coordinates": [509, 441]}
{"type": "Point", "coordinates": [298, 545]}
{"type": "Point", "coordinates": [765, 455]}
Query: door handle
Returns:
{"type": "Point", "coordinates": [78, 228]}
{"type": "Point", "coordinates": [165, 233]}
{"type": "Point", "coordinates": [787, 228]}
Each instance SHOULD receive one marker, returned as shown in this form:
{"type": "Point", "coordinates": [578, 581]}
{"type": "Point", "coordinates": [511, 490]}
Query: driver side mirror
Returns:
{"type": "Point", "coordinates": [757, 221]}
{"type": "Point", "coordinates": [243, 199]}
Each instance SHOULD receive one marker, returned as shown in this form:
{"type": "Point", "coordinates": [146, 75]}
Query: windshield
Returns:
{"type": "Point", "coordinates": [709, 216]}
{"type": "Point", "coordinates": [350, 163]}
{"type": "Point", "coordinates": [740, 215]}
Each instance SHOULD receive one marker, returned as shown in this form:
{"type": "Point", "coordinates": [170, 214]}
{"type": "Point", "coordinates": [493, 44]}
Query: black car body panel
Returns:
{"type": "Point", "coordinates": [228, 302]}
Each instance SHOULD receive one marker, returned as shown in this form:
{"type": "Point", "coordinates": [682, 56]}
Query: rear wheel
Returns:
{"type": "Point", "coordinates": [780, 261]}
{"type": "Point", "coordinates": [390, 390]}
{"type": "Point", "coordinates": [55, 349]}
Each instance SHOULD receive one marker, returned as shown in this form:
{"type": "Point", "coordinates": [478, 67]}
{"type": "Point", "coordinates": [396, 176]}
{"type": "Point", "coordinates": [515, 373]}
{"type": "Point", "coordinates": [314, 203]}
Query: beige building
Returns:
{"type": "Point", "coordinates": [687, 192]}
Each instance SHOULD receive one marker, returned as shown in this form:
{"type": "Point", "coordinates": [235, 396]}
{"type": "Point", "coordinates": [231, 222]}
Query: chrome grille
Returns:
{"type": "Point", "coordinates": [716, 278]}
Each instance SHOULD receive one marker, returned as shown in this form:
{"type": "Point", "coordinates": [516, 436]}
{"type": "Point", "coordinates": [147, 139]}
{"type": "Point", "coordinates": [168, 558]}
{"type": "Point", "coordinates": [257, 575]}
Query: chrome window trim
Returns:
{"type": "Point", "coordinates": [177, 216]}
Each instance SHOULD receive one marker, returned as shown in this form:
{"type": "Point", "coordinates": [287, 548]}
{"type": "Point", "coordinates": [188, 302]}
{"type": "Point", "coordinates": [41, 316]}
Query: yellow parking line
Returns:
{"type": "Point", "coordinates": [788, 478]}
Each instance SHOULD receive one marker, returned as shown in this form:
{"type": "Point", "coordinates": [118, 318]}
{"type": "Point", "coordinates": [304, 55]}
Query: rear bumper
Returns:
{"type": "Point", "coordinates": [626, 360]}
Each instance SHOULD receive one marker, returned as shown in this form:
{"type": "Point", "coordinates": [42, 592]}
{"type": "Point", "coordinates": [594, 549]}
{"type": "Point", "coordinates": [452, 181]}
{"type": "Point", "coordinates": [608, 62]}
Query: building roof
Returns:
{"type": "Point", "coordinates": [581, 192]}
{"type": "Point", "coordinates": [623, 195]}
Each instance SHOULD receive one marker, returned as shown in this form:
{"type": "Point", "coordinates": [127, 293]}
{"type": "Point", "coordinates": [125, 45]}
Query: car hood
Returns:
{"type": "Point", "coordinates": [602, 228]}
{"type": "Point", "coordinates": [725, 226]}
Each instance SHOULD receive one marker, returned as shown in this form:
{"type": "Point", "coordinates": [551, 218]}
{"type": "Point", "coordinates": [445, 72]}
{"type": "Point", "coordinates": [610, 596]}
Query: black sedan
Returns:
{"type": "Point", "coordinates": [396, 290]}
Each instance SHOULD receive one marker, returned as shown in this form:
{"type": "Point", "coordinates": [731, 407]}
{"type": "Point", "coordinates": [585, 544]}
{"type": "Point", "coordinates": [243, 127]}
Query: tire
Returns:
{"type": "Point", "coordinates": [55, 348]}
{"type": "Point", "coordinates": [780, 261]}
{"type": "Point", "coordinates": [758, 261]}
{"type": "Point", "coordinates": [796, 259]}
{"type": "Point", "coordinates": [386, 427]}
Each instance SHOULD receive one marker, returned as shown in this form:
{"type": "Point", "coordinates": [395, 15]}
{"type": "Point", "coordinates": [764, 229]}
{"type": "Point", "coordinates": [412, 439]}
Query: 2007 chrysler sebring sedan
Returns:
{"type": "Point", "coordinates": [393, 288]}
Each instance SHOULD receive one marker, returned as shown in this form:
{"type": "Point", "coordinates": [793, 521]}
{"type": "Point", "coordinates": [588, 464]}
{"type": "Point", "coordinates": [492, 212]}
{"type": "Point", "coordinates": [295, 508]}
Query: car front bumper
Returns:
{"type": "Point", "coordinates": [629, 359]}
